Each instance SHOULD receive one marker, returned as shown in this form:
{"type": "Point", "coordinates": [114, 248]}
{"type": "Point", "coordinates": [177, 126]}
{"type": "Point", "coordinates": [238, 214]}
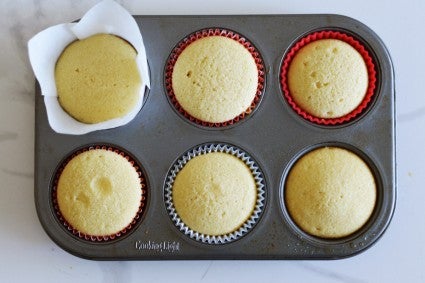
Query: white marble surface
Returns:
{"type": "Point", "coordinates": [26, 252]}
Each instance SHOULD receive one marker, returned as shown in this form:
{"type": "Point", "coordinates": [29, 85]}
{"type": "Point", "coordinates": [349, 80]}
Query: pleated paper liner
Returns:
{"type": "Point", "coordinates": [205, 33]}
{"type": "Point", "coordinates": [248, 225]}
{"type": "Point", "coordinates": [329, 34]}
{"type": "Point", "coordinates": [100, 238]}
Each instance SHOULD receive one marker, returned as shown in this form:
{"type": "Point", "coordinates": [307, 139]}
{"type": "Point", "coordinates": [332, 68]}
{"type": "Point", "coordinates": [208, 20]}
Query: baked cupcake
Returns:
{"type": "Point", "coordinates": [215, 195]}
{"type": "Point", "coordinates": [215, 77]}
{"type": "Point", "coordinates": [330, 192]}
{"type": "Point", "coordinates": [328, 77]}
{"type": "Point", "coordinates": [97, 78]}
{"type": "Point", "coordinates": [99, 193]}
{"type": "Point", "coordinates": [102, 65]}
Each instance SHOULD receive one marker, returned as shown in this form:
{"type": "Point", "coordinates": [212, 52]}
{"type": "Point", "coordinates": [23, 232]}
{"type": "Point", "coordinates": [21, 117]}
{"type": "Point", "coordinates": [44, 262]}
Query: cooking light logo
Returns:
{"type": "Point", "coordinates": [164, 246]}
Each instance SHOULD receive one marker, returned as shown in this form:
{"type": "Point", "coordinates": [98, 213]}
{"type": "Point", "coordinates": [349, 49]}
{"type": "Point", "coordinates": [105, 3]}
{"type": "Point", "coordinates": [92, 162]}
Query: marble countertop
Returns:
{"type": "Point", "coordinates": [27, 253]}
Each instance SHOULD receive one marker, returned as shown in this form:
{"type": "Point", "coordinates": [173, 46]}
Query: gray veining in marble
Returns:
{"type": "Point", "coordinates": [6, 136]}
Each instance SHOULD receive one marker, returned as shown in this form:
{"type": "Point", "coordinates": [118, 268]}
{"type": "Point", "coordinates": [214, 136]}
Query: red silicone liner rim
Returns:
{"type": "Point", "coordinates": [175, 53]}
{"type": "Point", "coordinates": [103, 238]}
{"type": "Point", "coordinates": [370, 92]}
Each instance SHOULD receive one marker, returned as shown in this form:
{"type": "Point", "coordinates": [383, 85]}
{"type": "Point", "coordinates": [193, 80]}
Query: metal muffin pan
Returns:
{"type": "Point", "coordinates": [274, 136]}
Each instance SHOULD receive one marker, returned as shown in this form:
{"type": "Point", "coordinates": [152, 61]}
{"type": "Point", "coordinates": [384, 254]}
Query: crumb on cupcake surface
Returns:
{"type": "Point", "coordinates": [328, 78]}
{"type": "Point", "coordinates": [215, 79]}
{"type": "Point", "coordinates": [97, 78]}
{"type": "Point", "coordinates": [99, 192]}
{"type": "Point", "coordinates": [330, 192]}
{"type": "Point", "coordinates": [214, 193]}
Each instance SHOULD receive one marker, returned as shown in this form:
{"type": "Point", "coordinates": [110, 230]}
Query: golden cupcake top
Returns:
{"type": "Point", "coordinates": [99, 192]}
{"type": "Point", "coordinates": [328, 78]}
{"type": "Point", "coordinates": [330, 192]}
{"type": "Point", "coordinates": [97, 78]}
{"type": "Point", "coordinates": [215, 79]}
{"type": "Point", "coordinates": [214, 193]}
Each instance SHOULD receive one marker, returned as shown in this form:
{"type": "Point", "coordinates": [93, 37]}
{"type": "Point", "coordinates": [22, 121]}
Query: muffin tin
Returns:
{"type": "Point", "coordinates": [274, 136]}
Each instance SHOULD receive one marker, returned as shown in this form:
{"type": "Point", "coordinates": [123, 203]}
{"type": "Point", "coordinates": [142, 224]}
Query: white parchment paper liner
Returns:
{"type": "Point", "coordinates": [204, 149]}
{"type": "Point", "coordinates": [45, 48]}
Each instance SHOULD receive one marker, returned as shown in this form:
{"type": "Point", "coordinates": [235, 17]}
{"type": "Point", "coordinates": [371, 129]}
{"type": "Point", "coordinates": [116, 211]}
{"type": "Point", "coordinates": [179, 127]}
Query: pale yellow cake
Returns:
{"type": "Point", "coordinates": [215, 79]}
{"type": "Point", "coordinates": [330, 192]}
{"type": "Point", "coordinates": [99, 192]}
{"type": "Point", "coordinates": [214, 193]}
{"type": "Point", "coordinates": [328, 78]}
{"type": "Point", "coordinates": [97, 78]}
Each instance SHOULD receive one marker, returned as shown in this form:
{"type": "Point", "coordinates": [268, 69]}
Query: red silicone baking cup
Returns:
{"type": "Point", "coordinates": [175, 53]}
{"type": "Point", "coordinates": [103, 238]}
{"type": "Point", "coordinates": [370, 92]}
